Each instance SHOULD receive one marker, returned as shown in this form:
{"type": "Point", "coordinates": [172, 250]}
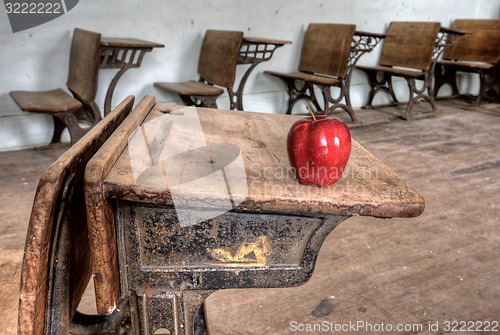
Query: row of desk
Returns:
{"type": "Point", "coordinates": [126, 53]}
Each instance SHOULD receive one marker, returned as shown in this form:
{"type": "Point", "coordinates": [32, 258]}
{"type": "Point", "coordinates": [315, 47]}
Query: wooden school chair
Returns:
{"type": "Point", "coordinates": [70, 110]}
{"type": "Point", "coordinates": [216, 67]}
{"type": "Point", "coordinates": [323, 64]}
{"type": "Point", "coordinates": [407, 52]}
{"type": "Point", "coordinates": [478, 51]}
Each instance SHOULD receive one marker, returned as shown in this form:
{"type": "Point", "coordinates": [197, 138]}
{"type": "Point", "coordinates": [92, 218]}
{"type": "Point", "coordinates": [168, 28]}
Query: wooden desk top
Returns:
{"type": "Point", "coordinates": [367, 186]}
{"type": "Point", "coordinates": [259, 40]}
{"type": "Point", "coordinates": [119, 42]}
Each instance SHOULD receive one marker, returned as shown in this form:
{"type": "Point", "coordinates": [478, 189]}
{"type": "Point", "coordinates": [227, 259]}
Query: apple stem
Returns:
{"type": "Point", "coordinates": [312, 113]}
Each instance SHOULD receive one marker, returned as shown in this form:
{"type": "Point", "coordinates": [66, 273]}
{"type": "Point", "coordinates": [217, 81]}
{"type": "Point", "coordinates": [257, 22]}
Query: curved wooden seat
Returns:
{"type": "Point", "coordinates": [56, 266]}
{"type": "Point", "coordinates": [100, 214]}
{"type": "Point", "coordinates": [467, 64]}
{"type": "Point", "coordinates": [70, 110]}
{"type": "Point", "coordinates": [417, 74]}
{"type": "Point", "coordinates": [310, 77]}
{"type": "Point", "coordinates": [55, 101]}
{"type": "Point", "coordinates": [216, 66]}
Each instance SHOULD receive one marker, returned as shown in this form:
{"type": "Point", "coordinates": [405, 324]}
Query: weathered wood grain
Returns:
{"type": "Point", "coordinates": [58, 201]}
{"type": "Point", "coordinates": [100, 214]}
{"type": "Point", "coordinates": [367, 187]}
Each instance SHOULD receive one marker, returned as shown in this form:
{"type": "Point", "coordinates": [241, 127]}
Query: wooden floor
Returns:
{"type": "Point", "coordinates": [413, 273]}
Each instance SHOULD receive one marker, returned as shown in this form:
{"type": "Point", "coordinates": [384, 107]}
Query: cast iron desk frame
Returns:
{"type": "Point", "coordinates": [122, 54]}
{"type": "Point", "coordinates": [445, 39]}
{"type": "Point", "coordinates": [253, 51]}
{"type": "Point", "coordinates": [271, 239]}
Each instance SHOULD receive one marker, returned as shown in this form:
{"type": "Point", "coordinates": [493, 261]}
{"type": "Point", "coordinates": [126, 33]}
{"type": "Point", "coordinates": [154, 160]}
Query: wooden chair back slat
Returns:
{"type": "Point", "coordinates": [481, 43]}
{"type": "Point", "coordinates": [218, 57]}
{"type": "Point", "coordinates": [58, 213]}
{"type": "Point", "coordinates": [83, 66]}
{"type": "Point", "coordinates": [100, 212]}
{"type": "Point", "coordinates": [326, 48]}
{"type": "Point", "coordinates": [410, 44]}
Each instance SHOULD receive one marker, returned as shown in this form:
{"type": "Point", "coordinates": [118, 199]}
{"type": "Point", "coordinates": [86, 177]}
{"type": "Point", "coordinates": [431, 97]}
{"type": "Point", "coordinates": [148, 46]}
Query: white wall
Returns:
{"type": "Point", "coordinates": [37, 59]}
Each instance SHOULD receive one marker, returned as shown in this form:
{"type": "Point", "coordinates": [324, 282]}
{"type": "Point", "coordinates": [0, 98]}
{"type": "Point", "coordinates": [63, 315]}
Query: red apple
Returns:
{"type": "Point", "coordinates": [318, 149]}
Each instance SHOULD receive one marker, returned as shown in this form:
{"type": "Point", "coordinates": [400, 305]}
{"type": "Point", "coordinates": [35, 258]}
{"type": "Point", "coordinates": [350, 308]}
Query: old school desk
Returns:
{"type": "Point", "coordinates": [253, 51]}
{"type": "Point", "coordinates": [203, 199]}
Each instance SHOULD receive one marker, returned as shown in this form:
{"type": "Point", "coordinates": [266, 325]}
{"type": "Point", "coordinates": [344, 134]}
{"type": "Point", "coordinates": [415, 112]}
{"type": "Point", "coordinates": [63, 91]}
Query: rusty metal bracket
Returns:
{"type": "Point", "coordinates": [117, 322]}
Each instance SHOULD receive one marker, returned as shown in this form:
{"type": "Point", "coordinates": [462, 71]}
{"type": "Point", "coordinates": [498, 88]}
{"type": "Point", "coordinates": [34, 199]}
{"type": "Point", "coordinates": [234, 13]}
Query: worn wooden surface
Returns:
{"type": "Point", "coordinates": [10, 275]}
{"type": "Point", "coordinates": [220, 50]}
{"type": "Point", "coordinates": [100, 215]}
{"type": "Point", "coordinates": [367, 187]}
{"type": "Point", "coordinates": [395, 71]}
{"type": "Point", "coordinates": [82, 79]}
{"type": "Point", "coordinates": [324, 54]}
{"type": "Point", "coordinates": [53, 101]}
{"type": "Point", "coordinates": [407, 52]}
{"type": "Point", "coordinates": [192, 87]}
{"type": "Point", "coordinates": [261, 40]}
{"type": "Point", "coordinates": [328, 55]}
{"type": "Point", "coordinates": [118, 42]}
{"type": "Point", "coordinates": [307, 77]}
{"type": "Point", "coordinates": [58, 201]}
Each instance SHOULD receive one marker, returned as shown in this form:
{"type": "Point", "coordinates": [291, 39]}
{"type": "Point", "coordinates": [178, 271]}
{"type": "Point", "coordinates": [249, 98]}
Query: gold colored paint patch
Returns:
{"type": "Point", "coordinates": [249, 253]}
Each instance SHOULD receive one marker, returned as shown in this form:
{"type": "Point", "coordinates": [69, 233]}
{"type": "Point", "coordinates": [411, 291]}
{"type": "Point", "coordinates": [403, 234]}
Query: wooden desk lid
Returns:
{"type": "Point", "coordinates": [259, 40]}
{"type": "Point", "coordinates": [162, 165]}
